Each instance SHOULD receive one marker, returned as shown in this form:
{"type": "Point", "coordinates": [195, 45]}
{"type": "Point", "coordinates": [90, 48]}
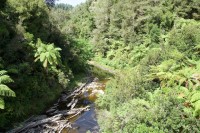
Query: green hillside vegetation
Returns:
{"type": "Point", "coordinates": [34, 58]}
{"type": "Point", "coordinates": [154, 45]}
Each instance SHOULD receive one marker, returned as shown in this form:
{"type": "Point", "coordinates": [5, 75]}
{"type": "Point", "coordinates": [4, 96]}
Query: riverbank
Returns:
{"type": "Point", "coordinates": [103, 67]}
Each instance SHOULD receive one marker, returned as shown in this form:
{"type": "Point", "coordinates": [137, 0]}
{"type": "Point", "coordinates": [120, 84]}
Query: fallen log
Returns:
{"type": "Point", "coordinates": [72, 111]}
{"type": "Point", "coordinates": [54, 123]}
{"type": "Point", "coordinates": [74, 103]}
{"type": "Point", "coordinates": [37, 123]}
{"type": "Point", "coordinates": [79, 112]}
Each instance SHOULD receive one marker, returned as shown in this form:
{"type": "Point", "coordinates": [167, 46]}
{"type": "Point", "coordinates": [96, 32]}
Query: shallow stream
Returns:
{"type": "Point", "coordinates": [87, 121]}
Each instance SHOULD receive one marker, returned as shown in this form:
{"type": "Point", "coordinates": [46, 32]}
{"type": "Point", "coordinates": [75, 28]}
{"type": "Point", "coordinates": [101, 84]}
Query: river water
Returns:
{"type": "Point", "coordinates": [87, 121]}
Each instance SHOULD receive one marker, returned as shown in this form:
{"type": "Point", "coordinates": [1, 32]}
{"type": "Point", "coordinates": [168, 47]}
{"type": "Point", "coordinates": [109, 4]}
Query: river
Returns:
{"type": "Point", "coordinates": [73, 112]}
{"type": "Point", "coordinates": [87, 121]}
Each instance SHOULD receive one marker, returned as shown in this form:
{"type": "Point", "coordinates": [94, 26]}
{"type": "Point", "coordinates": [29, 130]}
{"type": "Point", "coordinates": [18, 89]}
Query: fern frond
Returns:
{"type": "Point", "coordinates": [197, 108]}
{"type": "Point", "coordinates": [6, 91]}
{"type": "Point", "coordinates": [58, 49]}
{"type": "Point", "coordinates": [42, 57]}
{"type": "Point", "coordinates": [2, 72]}
{"type": "Point", "coordinates": [5, 79]}
{"type": "Point", "coordinates": [195, 97]}
{"type": "Point", "coordinates": [2, 104]}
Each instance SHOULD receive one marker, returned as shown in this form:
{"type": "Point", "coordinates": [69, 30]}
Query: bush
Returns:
{"type": "Point", "coordinates": [162, 112]}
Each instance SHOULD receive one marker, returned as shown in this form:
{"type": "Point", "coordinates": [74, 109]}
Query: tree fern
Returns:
{"type": "Point", "coordinates": [5, 79]}
{"type": "Point", "coordinates": [163, 72]}
{"type": "Point", "coordinates": [47, 53]}
{"type": "Point", "coordinates": [2, 72]}
{"type": "Point", "coordinates": [185, 77]}
{"type": "Point", "coordinates": [4, 89]}
{"type": "Point", "coordinates": [173, 73]}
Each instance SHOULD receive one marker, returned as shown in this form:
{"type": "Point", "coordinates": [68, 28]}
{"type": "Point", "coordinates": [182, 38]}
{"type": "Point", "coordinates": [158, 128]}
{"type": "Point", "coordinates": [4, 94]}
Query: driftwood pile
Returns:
{"type": "Point", "coordinates": [58, 116]}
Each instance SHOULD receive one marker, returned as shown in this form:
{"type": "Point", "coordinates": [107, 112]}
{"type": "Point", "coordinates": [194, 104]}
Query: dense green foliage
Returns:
{"type": "Point", "coordinates": [37, 55]}
{"type": "Point", "coordinates": [155, 46]}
